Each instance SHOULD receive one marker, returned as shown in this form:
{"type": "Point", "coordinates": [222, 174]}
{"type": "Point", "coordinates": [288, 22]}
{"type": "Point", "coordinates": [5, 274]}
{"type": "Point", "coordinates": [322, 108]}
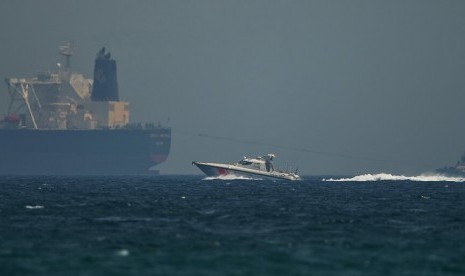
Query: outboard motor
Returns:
{"type": "Point", "coordinates": [105, 87]}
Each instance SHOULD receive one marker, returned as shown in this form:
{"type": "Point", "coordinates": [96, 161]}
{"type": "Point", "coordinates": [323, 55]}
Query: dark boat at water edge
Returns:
{"type": "Point", "coordinates": [63, 123]}
{"type": "Point", "coordinates": [457, 171]}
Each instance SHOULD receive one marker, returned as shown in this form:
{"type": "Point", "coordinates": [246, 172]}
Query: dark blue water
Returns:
{"type": "Point", "coordinates": [188, 226]}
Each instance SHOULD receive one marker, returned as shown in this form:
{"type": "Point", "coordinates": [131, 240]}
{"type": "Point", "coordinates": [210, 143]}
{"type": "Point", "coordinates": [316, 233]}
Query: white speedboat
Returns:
{"type": "Point", "coordinates": [260, 167]}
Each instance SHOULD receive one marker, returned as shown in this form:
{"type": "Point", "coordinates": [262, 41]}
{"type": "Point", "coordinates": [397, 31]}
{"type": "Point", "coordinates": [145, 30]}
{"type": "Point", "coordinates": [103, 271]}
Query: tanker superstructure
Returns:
{"type": "Point", "coordinates": [64, 123]}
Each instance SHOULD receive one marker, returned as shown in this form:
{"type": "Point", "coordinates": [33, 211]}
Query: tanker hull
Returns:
{"type": "Point", "coordinates": [83, 152]}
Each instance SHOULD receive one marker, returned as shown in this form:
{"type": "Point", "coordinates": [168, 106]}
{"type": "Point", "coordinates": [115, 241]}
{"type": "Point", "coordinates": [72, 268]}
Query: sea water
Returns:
{"type": "Point", "coordinates": [191, 225]}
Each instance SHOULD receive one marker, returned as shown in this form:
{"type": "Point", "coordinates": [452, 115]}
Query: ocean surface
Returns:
{"type": "Point", "coordinates": [191, 225]}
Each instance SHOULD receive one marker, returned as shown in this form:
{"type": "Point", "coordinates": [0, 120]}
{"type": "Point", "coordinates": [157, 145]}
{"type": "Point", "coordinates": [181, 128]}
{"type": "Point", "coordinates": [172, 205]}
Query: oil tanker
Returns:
{"type": "Point", "coordinates": [62, 123]}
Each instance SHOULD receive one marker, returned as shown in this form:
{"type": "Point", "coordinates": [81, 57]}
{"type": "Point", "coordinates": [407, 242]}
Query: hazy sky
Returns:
{"type": "Point", "coordinates": [367, 79]}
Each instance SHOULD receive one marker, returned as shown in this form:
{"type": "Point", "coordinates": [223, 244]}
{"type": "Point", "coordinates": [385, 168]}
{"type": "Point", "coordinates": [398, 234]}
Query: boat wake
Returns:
{"type": "Point", "coordinates": [387, 176]}
{"type": "Point", "coordinates": [230, 177]}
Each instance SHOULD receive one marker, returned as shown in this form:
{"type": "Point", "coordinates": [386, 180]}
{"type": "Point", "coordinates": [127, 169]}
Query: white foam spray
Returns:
{"type": "Point", "coordinates": [122, 253]}
{"type": "Point", "coordinates": [34, 207]}
{"type": "Point", "coordinates": [388, 176]}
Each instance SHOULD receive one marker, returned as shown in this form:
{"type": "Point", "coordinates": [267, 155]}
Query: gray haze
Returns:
{"type": "Point", "coordinates": [369, 79]}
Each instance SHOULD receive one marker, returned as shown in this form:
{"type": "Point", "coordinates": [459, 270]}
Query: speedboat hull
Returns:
{"type": "Point", "coordinates": [219, 170]}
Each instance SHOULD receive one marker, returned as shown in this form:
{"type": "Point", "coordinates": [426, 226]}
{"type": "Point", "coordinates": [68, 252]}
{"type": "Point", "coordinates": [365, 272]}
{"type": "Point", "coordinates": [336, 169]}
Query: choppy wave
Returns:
{"type": "Point", "coordinates": [34, 207]}
{"type": "Point", "coordinates": [123, 219]}
{"type": "Point", "coordinates": [388, 176]}
{"type": "Point", "coordinates": [122, 253]}
{"type": "Point", "coordinates": [171, 224]}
